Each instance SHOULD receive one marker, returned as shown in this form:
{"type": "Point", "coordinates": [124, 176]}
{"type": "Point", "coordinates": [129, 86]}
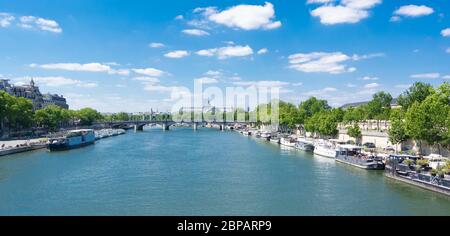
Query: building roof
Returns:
{"type": "Point", "coordinates": [357, 104]}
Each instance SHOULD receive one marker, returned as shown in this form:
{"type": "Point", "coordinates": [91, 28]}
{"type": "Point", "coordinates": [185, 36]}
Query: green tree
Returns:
{"type": "Point", "coordinates": [354, 131]}
{"type": "Point", "coordinates": [397, 132]}
{"type": "Point", "coordinates": [415, 123]}
{"type": "Point", "coordinates": [418, 92]}
{"type": "Point", "coordinates": [312, 106]}
{"type": "Point", "coordinates": [380, 106]}
{"type": "Point", "coordinates": [87, 116]}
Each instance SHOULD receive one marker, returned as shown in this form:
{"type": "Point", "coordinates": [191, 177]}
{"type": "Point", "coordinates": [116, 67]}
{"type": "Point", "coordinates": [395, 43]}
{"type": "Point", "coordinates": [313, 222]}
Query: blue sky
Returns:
{"type": "Point", "coordinates": [130, 55]}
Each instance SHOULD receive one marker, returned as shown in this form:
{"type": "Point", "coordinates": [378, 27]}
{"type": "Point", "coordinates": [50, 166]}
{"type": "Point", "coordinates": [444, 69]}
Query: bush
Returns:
{"type": "Point", "coordinates": [423, 162]}
{"type": "Point", "coordinates": [433, 172]}
{"type": "Point", "coordinates": [408, 162]}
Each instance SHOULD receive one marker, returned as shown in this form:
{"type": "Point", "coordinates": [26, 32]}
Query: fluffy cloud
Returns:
{"type": "Point", "coordinates": [32, 22]}
{"type": "Point", "coordinates": [320, 62]}
{"type": "Point", "coordinates": [371, 86]}
{"type": "Point", "coordinates": [348, 11]}
{"type": "Point", "coordinates": [426, 76]}
{"type": "Point", "coordinates": [89, 67]}
{"type": "Point", "coordinates": [149, 72]}
{"type": "Point", "coordinates": [445, 32]}
{"type": "Point", "coordinates": [195, 32]}
{"type": "Point", "coordinates": [414, 11]}
{"type": "Point", "coordinates": [156, 45]}
{"type": "Point", "coordinates": [207, 80]}
{"type": "Point", "coordinates": [227, 52]}
{"type": "Point", "coordinates": [177, 54]}
{"type": "Point", "coordinates": [213, 73]}
{"type": "Point", "coordinates": [57, 81]}
{"type": "Point", "coordinates": [263, 51]}
{"type": "Point", "coordinates": [246, 17]}
{"type": "Point", "coordinates": [326, 62]}
{"type": "Point", "coordinates": [330, 15]}
{"type": "Point", "coordinates": [6, 19]}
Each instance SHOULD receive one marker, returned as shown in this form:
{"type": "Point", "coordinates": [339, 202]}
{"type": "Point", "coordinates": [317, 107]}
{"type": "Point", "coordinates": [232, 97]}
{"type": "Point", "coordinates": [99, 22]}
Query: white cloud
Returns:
{"type": "Point", "coordinates": [6, 19]}
{"type": "Point", "coordinates": [297, 84]}
{"type": "Point", "coordinates": [347, 12]}
{"type": "Point", "coordinates": [147, 79]}
{"type": "Point", "coordinates": [361, 4]}
{"type": "Point", "coordinates": [327, 62]}
{"type": "Point", "coordinates": [57, 81]}
{"type": "Point", "coordinates": [445, 32]}
{"type": "Point", "coordinates": [33, 22]}
{"type": "Point", "coordinates": [330, 15]}
{"type": "Point", "coordinates": [149, 72]}
{"type": "Point", "coordinates": [319, 62]}
{"type": "Point", "coordinates": [447, 50]}
{"type": "Point", "coordinates": [350, 85]}
{"type": "Point", "coordinates": [446, 77]}
{"type": "Point", "coordinates": [195, 32]}
{"type": "Point", "coordinates": [262, 51]}
{"type": "Point", "coordinates": [207, 80]}
{"type": "Point", "coordinates": [156, 45]}
{"type": "Point", "coordinates": [319, 1]}
{"type": "Point", "coordinates": [159, 88]}
{"type": "Point", "coordinates": [414, 11]}
{"type": "Point", "coordinates": [177, 54]}
{"type": "Point", "coordinates": [371, 86]}
{"type": "Point", "coordinates": [179, 17]}
{"type": "Point", "coordinates": [89, 67]}
{"type": "Point", "coordinates": [227, 52]}
{"type": "Point", "coordinates": [395, 19]}
{"type": "Point", "coordinates": [213, 73]}
{"type": "Point", "coordinates": [246, 17]}
{"type": "Point", "coordinates": [426, 76]}
{"type": "Point", "coordinates": [321, 92]}
{"type": "Point", "coordinates": [263, 83]}
{"type": "Point", "coordinates": [366, 78]}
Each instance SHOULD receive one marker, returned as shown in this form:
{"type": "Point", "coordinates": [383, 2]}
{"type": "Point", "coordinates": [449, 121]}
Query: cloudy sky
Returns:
{"type": "Point", "coordinates": [131, 55]}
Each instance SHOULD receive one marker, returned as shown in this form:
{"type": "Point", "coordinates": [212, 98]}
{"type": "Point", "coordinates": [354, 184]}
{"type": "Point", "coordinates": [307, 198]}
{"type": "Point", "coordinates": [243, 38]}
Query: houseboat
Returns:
{"type": "Point", "coordinates": [72, 139]}
{"type": "Point", "coordinates": [351, 155]}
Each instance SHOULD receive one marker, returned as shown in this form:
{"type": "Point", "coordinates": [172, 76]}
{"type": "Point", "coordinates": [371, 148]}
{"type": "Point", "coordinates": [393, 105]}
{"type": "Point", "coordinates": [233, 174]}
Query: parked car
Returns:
{"type": "Point", "coordinates": [389, 148]}
{"type": "Point", "coordinates": [369, 145]}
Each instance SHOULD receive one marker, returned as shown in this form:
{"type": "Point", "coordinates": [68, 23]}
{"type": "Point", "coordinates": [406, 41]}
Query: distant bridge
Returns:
{"type": "Point", "coordinates": [139, 125]}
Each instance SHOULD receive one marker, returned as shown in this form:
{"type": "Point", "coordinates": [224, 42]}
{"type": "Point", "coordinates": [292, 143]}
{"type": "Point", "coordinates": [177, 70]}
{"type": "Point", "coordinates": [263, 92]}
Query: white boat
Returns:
{"type": "Point", "coordinates": [288, 141]}
{"type": "Point", "coordinates": [435, 160]}
{"type": "Point", "coordinates": [304, 146]}
{"type": "Point", "coordinates": [265, 135]}
{"type": "Point", "coordinates": [327, 148]}
{"type": "Point", "coordinates": [275, 139]}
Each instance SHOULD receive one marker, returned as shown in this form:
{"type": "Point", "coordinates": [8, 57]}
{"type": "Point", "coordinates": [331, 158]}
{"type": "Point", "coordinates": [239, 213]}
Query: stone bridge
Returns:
{"type": "Point", "coordinates": [139, 125]}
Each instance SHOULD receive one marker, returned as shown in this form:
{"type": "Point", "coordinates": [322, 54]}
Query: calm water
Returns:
{"type": "Point", "coordinates": [182, 172]}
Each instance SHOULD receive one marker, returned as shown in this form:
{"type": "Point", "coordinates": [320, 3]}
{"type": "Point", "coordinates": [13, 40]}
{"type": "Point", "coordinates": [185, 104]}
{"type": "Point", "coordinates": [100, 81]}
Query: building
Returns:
{"type": "Point", "coordinates": [31, 91]}
{"type": "Point", "coordinates": [55, 99]}
{"type": "Point", "coordinates": [394, 104]}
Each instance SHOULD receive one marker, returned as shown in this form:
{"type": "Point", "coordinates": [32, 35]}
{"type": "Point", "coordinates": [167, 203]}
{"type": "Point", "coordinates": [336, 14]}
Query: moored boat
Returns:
{"type": "Point", "coordinates": [275, 140]}
{"type": "Point", "coordinates": [265, 135]}
{"type": "Point", "coordinates": [287, 141]}
{"type": "Point", "coordinates": [351, 154]}
{"type": "Point", "coordinates": [304, 146]}
{"type": "Point", "coordinates": [73, 139]}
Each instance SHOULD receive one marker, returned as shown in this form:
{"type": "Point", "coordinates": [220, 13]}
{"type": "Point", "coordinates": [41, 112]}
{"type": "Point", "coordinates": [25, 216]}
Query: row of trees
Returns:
{"type": "Point", "coordinates": [17, 113]}
{"type": "Point", "coordinates": [424, 116]}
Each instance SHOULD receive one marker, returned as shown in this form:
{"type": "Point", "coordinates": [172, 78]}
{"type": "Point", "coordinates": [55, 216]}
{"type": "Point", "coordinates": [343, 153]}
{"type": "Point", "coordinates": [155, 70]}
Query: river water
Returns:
{"type": "Point", "coordinates": [204, 172]}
